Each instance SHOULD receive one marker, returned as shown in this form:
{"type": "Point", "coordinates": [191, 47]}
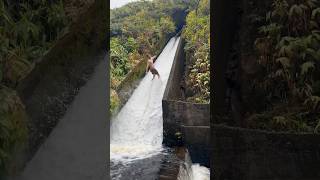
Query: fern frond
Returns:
{"type": "Point", "coordinates": [315, 12]}
{"type": "Point", "coordinates": [306, 67]}
{"type": "Point", "coordinates": [284, 61]}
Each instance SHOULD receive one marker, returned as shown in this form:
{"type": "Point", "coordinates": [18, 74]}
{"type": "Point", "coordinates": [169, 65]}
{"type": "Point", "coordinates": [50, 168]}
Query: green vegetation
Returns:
{"type": "Point", "coordinates": [197, 36]}
{"type": "Point", "coordinates": [289, 56]}
{"type": "Point", "coordinates": [123, 57]}
{"type": "Point", "coordinates": [13, 129]}
{"type": "Point", "coordinates": [114, 101]}
{"type": "Point", "coordinates": [27, 30]}
{"type": "Point", "coordinates": [138, 29]}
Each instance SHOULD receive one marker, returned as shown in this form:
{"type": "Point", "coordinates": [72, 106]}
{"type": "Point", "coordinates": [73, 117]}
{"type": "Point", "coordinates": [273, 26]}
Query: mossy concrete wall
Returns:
{"type": "Point", "coordinates": [246, 154]}
{"type": "Point", "coordinates": [185, 123]}
{"type": "Point", "coordinates": [51, 86]}
{"type": "Point", "coordinates": [130, 82]}
{"type": "Point", "coordinates": [188, 124]}
{"type": "Point", "coordinates": [173, 89]}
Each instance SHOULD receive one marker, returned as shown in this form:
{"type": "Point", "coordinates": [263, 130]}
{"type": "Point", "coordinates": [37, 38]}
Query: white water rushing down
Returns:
{"type": "Point", "coordinates": [189, 171]}
{"type": "Point", "coordinates": [137, 130]}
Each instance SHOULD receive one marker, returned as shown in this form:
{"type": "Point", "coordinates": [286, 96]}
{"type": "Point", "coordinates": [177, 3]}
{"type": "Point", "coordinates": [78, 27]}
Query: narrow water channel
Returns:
{"type": "Point", "coordinates": [136, 133]}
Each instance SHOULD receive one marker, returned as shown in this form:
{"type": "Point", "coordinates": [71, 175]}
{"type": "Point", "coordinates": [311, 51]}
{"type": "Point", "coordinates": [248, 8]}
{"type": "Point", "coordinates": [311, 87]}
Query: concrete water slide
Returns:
{"type": "Point", "coordinates": [66, 100]}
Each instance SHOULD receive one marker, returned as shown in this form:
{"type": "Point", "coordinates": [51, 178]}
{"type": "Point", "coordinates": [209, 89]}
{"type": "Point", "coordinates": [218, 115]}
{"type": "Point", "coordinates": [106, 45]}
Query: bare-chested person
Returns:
{"type": "Point", "coordinates": [150, 66]}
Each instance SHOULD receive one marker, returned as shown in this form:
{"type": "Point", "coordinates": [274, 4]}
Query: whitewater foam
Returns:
{"type": "Point", "coordinates": [137, 130]}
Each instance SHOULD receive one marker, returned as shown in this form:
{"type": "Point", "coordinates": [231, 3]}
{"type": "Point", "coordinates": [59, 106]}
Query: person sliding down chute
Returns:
{"type": "Point", "coordinates": [150, 66]}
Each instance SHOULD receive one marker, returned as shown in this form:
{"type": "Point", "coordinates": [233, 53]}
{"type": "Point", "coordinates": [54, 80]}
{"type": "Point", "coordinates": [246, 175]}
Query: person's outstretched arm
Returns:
{"type": "Point", "coordinates": [153, 58]}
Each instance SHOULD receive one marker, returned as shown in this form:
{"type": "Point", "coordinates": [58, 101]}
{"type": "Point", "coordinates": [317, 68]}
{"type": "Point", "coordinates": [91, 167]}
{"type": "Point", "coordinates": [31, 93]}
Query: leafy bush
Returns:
{"type": "Point", "coordinates": [13, 129]}
{"type": "Point", "coordinates": [197, 36]}
{"type": "Point", "coordinates": [27, 30]}
{"type": "Point", "coordinates": [114, 102]}
{"type": "Point", "coordinates": [119, 58]}
{"type": "Point", "coordinates": [288, 51]}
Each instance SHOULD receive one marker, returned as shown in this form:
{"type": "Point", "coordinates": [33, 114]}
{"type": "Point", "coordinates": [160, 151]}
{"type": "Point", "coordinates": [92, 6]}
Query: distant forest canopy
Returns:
{"type": "Point", "coordinates": [143, 27]}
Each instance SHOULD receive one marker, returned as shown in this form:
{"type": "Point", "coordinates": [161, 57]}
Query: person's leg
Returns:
{"type": "Point", "coordinates": [158, 76]}
{"type": "Point", "coordinates": [153, 76]}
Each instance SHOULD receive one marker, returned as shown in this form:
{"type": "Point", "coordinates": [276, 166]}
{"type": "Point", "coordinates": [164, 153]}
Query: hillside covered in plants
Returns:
{"type": "Point", "coordinates": [139, 29]}
{"type": "Point", "coordinates": [142, 28]}
{"type": "Point", "coordinates": [288, 59]}
{"type": "Point", "coordinates": [197, 48]}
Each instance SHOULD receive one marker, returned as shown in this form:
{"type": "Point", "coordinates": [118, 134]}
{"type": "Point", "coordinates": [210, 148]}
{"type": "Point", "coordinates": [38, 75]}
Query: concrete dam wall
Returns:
{"type": "Point", "coordinates": [185, 123]}
{"type": "Point", "coordinates": [246, 154]}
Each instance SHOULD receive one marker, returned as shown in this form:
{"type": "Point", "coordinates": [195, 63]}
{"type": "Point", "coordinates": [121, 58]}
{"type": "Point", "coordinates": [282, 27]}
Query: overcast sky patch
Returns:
{"type": "Point", "coordinates": [119, 3]}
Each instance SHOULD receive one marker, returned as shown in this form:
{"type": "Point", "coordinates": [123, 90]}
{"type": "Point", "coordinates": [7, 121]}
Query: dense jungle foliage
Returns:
{"type": "Point", "coordinates": [289, 57]}
{"type": "Point", "coordinates": [27, 30]}
{"type": "Point", "coordinates": [197, 36]}
{"type": "Point", "coordinates": [137, 30]}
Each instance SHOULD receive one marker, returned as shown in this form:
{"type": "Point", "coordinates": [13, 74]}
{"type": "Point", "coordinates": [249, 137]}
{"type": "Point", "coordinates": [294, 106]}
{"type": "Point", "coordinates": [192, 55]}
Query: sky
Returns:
{"type": "Point", "coordinates": [119, 3]}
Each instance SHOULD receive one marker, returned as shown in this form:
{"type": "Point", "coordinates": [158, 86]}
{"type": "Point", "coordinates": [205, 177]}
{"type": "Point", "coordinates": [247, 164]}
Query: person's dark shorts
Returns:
{"type": "Point", "coordinates": [154, 71]}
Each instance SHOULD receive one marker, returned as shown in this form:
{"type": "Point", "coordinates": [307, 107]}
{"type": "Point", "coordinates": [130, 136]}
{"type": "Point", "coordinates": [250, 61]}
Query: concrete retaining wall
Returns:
{"type": "Point", "coordinates": [131, 81]}
{"type": "Point", "coordinates": [173, 91]}
{"type": "Point", "coordinates": [185, 123]}
{"type": "Point", "coordinates": [51, 86]}
{"type": "Point", "coordinates": [244, 154]}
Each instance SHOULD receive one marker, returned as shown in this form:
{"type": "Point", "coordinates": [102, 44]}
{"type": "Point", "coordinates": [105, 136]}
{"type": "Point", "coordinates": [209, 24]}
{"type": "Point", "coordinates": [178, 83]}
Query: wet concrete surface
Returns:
{"type": "Point", "coordinates": [77, 148]}
{"type": "Point", "coordinates": [163, 166]}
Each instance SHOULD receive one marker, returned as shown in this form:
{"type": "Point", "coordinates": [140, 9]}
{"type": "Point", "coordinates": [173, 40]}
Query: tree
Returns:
{"type": "Point", "coordinates": [197, 35]}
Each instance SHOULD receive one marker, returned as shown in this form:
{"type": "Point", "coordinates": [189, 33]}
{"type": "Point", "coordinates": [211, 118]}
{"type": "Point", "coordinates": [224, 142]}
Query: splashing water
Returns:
{"type": "Point", "coordinates": [200, 172]}
{"type": "Point", "coordinates": [189, 171]}
{"type": "Point", "coordinates": [137, 130]}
